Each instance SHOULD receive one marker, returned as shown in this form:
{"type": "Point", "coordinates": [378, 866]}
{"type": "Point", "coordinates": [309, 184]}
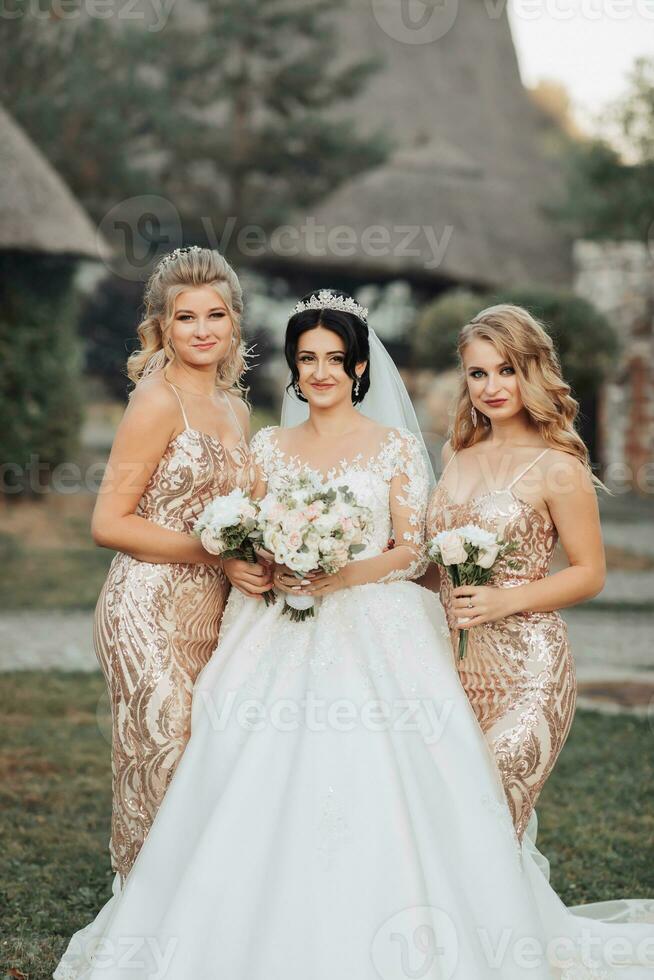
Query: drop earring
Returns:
{"type": "Point", "coordinates": [296, 388]}
{"type": "Point", "coordinates": [356, 388]}
{"type": "Point", "coordinates": [473, 416]}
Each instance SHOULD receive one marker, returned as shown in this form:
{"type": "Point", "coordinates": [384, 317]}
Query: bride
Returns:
{"type": "Point", "coordinates": [337, 814]}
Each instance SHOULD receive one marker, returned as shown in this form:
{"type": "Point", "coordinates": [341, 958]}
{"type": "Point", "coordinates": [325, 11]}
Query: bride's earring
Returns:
{"type": "Point", "coordinates": [473, 416]}
{"type": "Point", "coordinates": [356, 388]}
{"type": "Point", "coordinates": [296, 388]}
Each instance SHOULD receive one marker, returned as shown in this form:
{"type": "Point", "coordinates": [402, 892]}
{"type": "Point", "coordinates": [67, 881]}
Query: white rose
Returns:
{"type": "Point", "coordinates": [211, 541]}
{"type": "Point", "coordinates": [478, 536]}
{"type": "Point", "coordinates": [487, 556]}
{"type": "Point", "coordinates": [452, 550]}
{"type": "Point", "coordinates": [225, 511]}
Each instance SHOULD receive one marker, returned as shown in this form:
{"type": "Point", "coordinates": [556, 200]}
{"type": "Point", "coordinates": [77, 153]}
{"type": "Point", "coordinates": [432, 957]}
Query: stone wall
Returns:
{"type": "Point", "coordinates": [618, 278]}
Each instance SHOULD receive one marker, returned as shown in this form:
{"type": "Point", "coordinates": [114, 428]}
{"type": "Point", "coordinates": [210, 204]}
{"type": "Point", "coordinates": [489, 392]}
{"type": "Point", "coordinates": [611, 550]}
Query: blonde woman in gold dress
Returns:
{"type": "Point", "coordinates": [515, 464]}
{"type": "Point", "coordinates": [182, 441]}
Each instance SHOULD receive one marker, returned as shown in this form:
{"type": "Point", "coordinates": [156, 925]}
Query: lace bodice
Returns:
{"type": "Point", "coordinates": [392, 484]}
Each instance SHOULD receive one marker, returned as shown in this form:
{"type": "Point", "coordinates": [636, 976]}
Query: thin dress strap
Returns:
{"type": "Point", "coordinates": [444, 470]}
{"type": "Point", "coordinates": [526, 469]}
{"type": "Point", "coordinates": [181, 403]}
{"type": "Point", "coordinates": [234, 415]}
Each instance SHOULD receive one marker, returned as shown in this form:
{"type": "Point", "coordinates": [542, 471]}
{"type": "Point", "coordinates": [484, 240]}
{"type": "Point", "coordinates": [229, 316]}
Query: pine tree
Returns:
{"type": "Point", "coordinates": [265, 82]}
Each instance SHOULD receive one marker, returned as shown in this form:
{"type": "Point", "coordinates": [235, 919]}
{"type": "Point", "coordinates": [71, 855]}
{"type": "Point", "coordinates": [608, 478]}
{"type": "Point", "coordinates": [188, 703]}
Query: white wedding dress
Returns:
{"type": "Point", "coordinates": [337, 814]}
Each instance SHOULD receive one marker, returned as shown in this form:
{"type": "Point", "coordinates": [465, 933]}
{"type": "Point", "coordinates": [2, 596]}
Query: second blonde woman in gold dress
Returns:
{"type": "Point", "coordinates": [183, 440]}
{"type": "Point", "coordinates": [515, 465]}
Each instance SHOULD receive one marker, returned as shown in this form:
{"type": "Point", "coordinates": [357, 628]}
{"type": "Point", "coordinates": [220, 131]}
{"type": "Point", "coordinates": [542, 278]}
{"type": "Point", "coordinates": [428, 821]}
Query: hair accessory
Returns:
{"type": "Point", "coordinates": [171, 256]}
{"type": "Point", "coordinates": [327, 300]}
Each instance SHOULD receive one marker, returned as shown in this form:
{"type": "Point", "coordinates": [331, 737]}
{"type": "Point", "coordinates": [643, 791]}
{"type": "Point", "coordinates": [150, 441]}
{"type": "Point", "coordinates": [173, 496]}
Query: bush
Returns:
{"type": "Point", "coordinates": [585, 340]}
{"type": "Point", "coordinates": [437, 327]}
{"type": "Point", "coordinates": [40, 398]}
{"type": "Point", "coordinates": [108, 324]}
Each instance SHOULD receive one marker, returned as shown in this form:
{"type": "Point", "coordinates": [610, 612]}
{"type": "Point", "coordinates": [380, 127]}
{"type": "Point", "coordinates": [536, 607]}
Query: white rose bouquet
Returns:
{"type": "Point", "coordinates": [468, 555]}
{"type": "Point", "coordinates": [228, 527]}
{"type": "Point", "coordinates": [312, 526]}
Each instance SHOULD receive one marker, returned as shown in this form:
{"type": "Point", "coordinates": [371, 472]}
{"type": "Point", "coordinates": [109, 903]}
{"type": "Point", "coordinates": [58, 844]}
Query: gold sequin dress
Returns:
{"type": "Point", "coordinates": [155, 628]}
{"type": "Point", "coordinates": [518, 673]}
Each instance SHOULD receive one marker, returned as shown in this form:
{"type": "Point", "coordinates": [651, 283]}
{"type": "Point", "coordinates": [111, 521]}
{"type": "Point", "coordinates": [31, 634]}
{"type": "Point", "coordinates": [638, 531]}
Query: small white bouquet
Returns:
{"type": "Point", "coordinates": [468, 555]}
{"type": "Point", "coordinates": [312, 526]}
{"type": "Point", "coordinates": [228, 527]}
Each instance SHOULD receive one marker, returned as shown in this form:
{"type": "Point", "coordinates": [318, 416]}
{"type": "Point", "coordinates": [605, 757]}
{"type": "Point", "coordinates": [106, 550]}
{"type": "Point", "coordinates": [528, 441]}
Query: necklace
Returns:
{"type": "Point", "coordinates": [190, 391]}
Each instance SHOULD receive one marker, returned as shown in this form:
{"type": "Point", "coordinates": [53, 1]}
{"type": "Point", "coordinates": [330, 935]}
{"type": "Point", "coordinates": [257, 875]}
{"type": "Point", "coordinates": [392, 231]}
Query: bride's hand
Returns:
{"type": "Point", "coordinates": [286, 580]}
{"type": "Point", "coordinates": [318, 584]}
{"type": "Point", "coordinates": [474, 605]}
{"type": "Point", "coordinates": [251, 580]}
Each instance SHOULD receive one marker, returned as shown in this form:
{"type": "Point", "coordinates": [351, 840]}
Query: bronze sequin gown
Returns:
{"type": "Point", "coordinates": [518, 673]}
{"type": "Point", "coordinates": [156, 625]}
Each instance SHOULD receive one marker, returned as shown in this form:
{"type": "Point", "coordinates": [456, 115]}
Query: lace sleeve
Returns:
{"type": "Point", "coordinates": [408, 502]}
{"type": "Point", "coordinates": [262, 448]}
{"type": "Point", "coordinates": [404, 468]}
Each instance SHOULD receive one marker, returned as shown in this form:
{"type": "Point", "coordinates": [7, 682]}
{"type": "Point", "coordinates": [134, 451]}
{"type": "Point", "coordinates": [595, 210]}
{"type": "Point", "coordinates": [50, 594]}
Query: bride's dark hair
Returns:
{"type": "Point", "coordinates": [350, 328]}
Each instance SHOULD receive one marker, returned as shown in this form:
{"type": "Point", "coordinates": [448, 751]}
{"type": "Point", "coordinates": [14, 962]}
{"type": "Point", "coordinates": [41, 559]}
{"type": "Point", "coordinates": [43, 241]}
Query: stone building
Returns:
{"type": "Point", "coordinates": [618, 278]}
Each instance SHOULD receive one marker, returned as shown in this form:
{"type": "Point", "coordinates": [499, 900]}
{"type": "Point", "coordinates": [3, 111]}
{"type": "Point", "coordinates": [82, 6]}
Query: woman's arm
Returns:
{"type": "Point", "coordinates": [572, 502]}
{"type": "Point", "coordinates": [252, 580]}
{"type": "Point", "coordinates": [146, 429]}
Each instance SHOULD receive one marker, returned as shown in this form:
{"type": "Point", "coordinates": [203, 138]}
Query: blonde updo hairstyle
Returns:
{"type": "Point", "coordinates": [174, 273]}
{"type": "Point", "coordinates": [524, 343]}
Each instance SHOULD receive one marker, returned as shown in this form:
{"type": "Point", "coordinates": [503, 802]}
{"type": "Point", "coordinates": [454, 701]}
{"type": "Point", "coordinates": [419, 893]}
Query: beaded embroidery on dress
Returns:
{"type": "Point", "coordinates": [337, 808]}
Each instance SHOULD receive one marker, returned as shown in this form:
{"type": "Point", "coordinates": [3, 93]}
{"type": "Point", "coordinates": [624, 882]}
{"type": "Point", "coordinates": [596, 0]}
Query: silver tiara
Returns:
{"type": "Point", "coordinates": [171, 256]}
{"type": "Point", "coordinates": [327, 300]}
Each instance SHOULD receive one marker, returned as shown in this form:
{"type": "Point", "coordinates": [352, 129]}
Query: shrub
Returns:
{"type": "Point", "coordinates": [40, 398]}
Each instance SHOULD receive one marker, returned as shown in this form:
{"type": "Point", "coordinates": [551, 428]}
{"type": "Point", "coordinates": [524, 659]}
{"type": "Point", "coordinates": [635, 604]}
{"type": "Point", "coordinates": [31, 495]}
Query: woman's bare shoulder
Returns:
{"type": "Point", "coordinates": [564, 472]}
{"type": "Point", "coordinates": [153, 399]}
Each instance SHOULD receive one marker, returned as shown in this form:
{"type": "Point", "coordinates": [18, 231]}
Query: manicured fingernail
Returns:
{"type": "Point", "coordinates": [305, 581]}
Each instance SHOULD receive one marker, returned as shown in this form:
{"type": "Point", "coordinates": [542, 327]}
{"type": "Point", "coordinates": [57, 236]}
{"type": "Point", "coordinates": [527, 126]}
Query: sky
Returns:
{"type": "Point", "coordinates": [588, 45]}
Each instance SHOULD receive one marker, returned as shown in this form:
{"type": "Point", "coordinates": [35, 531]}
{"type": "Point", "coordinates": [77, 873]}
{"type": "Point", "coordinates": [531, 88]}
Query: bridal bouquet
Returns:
{"type": "Point", "coordinates": [228, 526]}
{"type": "Point", "coordinates": [312, 526]}
{"type": "Point", "coordinates": [468, 555]}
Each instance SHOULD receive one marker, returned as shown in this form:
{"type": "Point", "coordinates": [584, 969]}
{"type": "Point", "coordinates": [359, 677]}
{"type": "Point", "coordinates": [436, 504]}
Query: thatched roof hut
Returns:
{"type": "Point", "coordinates": [471, 154]}
{"type": "Point", "coordinates": [38, 213]}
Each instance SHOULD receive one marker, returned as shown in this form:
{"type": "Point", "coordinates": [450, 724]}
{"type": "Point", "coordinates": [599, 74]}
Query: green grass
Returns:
{"type": "Point", "coordinates": [51, 578]}
{"type": "Point", "coordinates": [596, 813]}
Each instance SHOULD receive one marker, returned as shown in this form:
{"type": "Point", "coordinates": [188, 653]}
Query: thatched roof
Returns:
{"type": "Point", "coordinates": [38, 213]}
{"type": "Point", "coordinates": [470, 154]}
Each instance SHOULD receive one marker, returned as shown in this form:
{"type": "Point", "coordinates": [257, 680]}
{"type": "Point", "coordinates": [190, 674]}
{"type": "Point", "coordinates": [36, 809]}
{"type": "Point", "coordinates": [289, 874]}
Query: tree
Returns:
{"type": "Point", "coordinates": [91, 98]}
{"type": "Point", "coordinates": [268, 76]}
{"type": "Point", "coordinates": [233, 118]}
{"type": "Point", "coordinates": [611, 181]}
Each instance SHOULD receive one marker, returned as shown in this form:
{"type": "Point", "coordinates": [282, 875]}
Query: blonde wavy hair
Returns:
{"type": "Point", "coordinates": [525, 344]}
{"type": "Point", "coordinates": [173, 274]}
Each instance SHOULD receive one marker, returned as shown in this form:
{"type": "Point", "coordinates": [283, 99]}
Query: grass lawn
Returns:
{"type": "Point", "coordinates": [596, 813]}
